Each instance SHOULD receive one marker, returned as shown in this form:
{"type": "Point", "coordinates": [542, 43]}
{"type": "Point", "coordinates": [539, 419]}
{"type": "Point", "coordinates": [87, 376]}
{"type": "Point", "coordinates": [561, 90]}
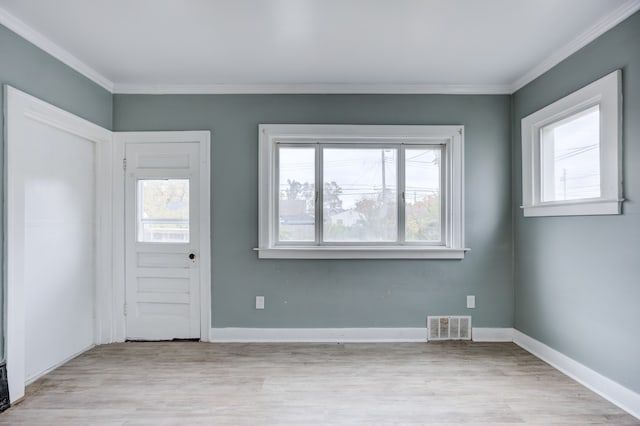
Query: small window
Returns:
{"type": "Point", "coordinates": [163, 211]}
{"type": "Point", "coordinates": [571, 153]}
{"type": "Point", "coordinates": [361, 191]}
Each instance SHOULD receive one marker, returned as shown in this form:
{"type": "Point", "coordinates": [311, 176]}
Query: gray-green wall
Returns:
{"type": "Point", "coordinates": [25, 67]}
{"type": "Point", "coordinates": [578, 278]}
{"type": "Point", "coordinates": [344, 293]}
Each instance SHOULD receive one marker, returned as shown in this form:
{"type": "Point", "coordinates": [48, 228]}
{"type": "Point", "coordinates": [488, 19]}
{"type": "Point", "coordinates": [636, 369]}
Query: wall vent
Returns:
{"type": "Point", "coordinates": [449, 328]}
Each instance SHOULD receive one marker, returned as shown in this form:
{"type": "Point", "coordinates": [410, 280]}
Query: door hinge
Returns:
{"type": "Point", "coordinates": [124, 164]}
{"type": "Point", "coordinates": [124, 309]}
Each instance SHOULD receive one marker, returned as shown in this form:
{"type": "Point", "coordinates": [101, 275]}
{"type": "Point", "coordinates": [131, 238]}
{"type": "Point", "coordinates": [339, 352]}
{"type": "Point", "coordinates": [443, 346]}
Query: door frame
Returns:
{"type": "Point", "coordinates": [118, 299]}
{"type": "Point", "coordinates": [18, 106]}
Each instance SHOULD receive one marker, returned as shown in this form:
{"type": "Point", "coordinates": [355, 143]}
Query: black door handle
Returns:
{"type": "Point", "coordinates": [192, 256]}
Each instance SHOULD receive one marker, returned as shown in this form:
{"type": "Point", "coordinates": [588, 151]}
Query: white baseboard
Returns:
{"type": "Point", "coordinates": [29, 380]}
{"type": "Point", "coordinates": [409, 334]}
{"type": "Point", "coordinates": [332, 335]}
{"type": "Point", "coordinates": [612, 391]}
{"type": "Point", "coordinates": [481, 334]}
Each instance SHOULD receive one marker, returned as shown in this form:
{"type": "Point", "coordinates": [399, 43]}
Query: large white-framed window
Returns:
{"type": "Point", "coordinates": [361, 191]}
{"type": "Point", "coordinates": [571, 153]}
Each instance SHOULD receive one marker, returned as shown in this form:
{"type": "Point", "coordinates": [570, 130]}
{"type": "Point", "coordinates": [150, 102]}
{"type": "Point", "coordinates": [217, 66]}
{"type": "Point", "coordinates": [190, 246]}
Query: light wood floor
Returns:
{"type": "Point", "coordinates": [190, 383]}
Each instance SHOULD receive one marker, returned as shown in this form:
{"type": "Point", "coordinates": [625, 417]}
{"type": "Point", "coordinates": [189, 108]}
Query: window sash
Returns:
{"type": "Point", "coordinates": [400, 147]}
{"type": "Point", "coordinates": [548, 162]}
{"type": "Point", "coordinates": [443, 192]}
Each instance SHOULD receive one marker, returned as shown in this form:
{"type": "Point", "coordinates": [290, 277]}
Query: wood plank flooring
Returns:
{"type": "Point", "coordinates": [191, 383]}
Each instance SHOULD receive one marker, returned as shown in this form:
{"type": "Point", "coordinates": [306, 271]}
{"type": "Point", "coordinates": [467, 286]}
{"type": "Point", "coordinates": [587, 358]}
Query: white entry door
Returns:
{"type": "Point", "coordinates": [163, 297]}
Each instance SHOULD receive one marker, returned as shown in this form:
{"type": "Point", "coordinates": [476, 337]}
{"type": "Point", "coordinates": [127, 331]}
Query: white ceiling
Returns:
{"type": "Point", "coordinates": [448, 46]}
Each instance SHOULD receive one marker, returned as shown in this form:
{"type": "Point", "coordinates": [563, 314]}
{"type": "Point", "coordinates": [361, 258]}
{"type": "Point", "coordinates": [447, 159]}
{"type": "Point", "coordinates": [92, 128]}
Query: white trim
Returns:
{"type": "Point", "coordinates": [606, 93]}
{"type": "Point", "coordinates": [609, 21]}
{"type": "Point", "coordinates": [35, 377]}
{"type": "Point", "coordinates": [482, 334]}
{"type": "Point", "coordinates": [117, 302]}
{"type": "Point", "coordinates": [104, 240]}
{"type": "Point", "coordinates": [597, 207]}
{"type": "Point", "coordinates": [361, 253]}
{"type": "Point", "coordinates": [612, 391]}
{"type": "Point", "coordinates": [313, 88]}
{"type": "Point", "coordinates": [330, 335]}
{"type": "Point", "coordinates": [205, 236]}
{"type": "Point", "coordinates": [38, 39]}
{"type": "Point", "coordinates": [17, 105]}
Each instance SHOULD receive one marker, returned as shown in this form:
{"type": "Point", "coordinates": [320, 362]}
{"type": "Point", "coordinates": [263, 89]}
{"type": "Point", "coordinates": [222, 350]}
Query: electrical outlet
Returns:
{"type": "Point", "coordinates": [259, 302]}
{"type": "Point", "coordinates": [471, 302]}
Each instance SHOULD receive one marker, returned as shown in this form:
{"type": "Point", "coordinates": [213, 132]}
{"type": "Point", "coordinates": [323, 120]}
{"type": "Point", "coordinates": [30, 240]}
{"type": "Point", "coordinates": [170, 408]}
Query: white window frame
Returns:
{"type": "Point", "coordinates": [607, 94]}
{"type": "Point", "coordinates": [451, 138]}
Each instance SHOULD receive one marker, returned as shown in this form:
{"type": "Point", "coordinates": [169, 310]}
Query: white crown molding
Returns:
{"type": "Point", "coordinates": [609, 21]}
{"type": "Point", "coordinates": [312, 88]}
{"type": "Point", "coordinates": [612, 391]}
{"type": "Point", "coordinates": [31, 35]}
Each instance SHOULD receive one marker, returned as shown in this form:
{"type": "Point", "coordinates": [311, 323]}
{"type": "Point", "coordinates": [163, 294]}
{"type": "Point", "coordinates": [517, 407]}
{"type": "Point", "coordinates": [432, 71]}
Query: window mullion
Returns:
{"type": "Point", "coordinates": [275, 222]}
{"type": "Point", "coordinates": [446, 213]}
{"type": "Point", "coordinates": [400, 167]}
{"type": "Point", "coordinates": [319, 195]}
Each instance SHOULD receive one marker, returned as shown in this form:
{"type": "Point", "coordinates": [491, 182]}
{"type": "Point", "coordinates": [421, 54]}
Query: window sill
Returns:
{"type": "Point", "coordinates": [360, 253]}
{"type": "Point", "coordinates": [577, 208]}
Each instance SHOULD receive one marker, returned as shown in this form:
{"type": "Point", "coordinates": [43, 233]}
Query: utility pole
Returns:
{"type": "Point", "coordinates": [384, 180]}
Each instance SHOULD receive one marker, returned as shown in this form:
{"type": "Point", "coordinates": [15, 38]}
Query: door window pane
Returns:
{"type": "Point", "coordinates": [163, 210]}
{"type": "Point", "coordinates": [570, 157]}
{"type": "Point", "coordinates": [360, 194]}
{"type": "Point", "coordinates": [296, 199]}
{"type": "Point", "coordinates": [423, 212]}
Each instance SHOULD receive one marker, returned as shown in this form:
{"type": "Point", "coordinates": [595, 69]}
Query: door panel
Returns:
{"type": "Point", "coordinates": [162, 232]}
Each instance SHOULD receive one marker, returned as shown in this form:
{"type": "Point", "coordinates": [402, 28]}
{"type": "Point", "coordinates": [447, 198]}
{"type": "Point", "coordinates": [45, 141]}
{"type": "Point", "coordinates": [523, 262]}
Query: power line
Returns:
{"type": "Point", "coordinates": [576, 151]}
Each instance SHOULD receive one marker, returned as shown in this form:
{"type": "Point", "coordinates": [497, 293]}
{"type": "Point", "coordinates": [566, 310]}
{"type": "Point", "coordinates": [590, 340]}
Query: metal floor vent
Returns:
{"type": "Point", "coordinates": [449, 328]}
